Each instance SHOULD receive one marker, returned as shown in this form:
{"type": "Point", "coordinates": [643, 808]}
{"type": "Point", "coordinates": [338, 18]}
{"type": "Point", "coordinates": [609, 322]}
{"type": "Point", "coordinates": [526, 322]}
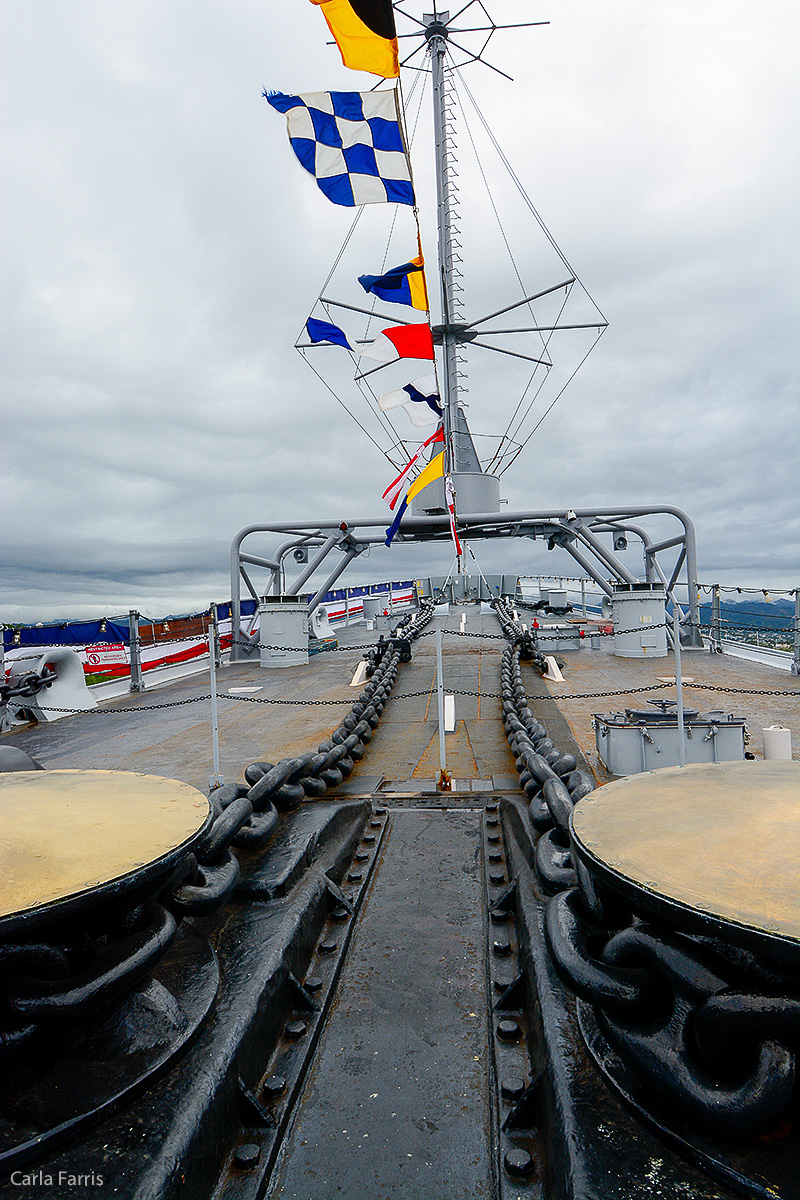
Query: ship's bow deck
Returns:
{"type": "Point", "coordinates": [389, 1020]}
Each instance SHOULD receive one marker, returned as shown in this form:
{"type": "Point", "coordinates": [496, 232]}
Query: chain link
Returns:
{"type": "Point", "coordinates": [100, 712]}
{"type": "Point", "coordinates": [495, 637]}
{"type": "Point", "coordinates": [278, 700]}
{"type": "Point", "coordinates": [655, 687]}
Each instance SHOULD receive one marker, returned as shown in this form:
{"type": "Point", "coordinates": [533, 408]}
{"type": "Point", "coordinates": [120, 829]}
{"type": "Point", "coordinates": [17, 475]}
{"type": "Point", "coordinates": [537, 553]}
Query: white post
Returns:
{"type": "Point", "coordinates": [215, 631]}
{"type": "Point", "coordinates": [137, 680]}
{"type": "Point", "coordinates": [440, 698]}
{"type": "Point", "coordinates": [583, 598]}
{"type": "Point", "coordinates": [679, 684]}
{"type": "Point", "coordinates": [215, 780]}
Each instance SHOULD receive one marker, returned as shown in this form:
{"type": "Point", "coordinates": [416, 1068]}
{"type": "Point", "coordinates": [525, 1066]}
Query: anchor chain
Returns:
{"type": "Point", "coordinates": [287, 783]}
{"type": "Point", "coordinates": [27, 686]}
{"type": "Point", "coordinates": [84, 967]}
{"type": "Point", "coordinates": [714, 1033]}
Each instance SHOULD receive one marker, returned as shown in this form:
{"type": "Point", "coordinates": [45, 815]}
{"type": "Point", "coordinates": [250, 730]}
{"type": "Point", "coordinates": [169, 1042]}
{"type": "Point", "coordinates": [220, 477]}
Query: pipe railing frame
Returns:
{"type": "Point", "coordinates": [581, 524]}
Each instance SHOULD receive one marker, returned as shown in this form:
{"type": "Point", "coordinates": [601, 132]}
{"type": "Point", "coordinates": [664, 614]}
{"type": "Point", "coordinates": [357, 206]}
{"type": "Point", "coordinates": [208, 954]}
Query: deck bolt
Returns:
{"type": "Point", "coordinates": [493, 838]}
{"type": "Point", "coordinates": [247, 1155]}
{"type": "Point", "coordinates": [492, 808]}
{"type": "Point", "coordinates": [381, 812]}
{"type": "Point", "coordinates": [375, 824]}
{"type": "Point", "coordinates": [492, 822]}
{"type": "Point", "coordinates": [362, 856]}
{"type": "Point", "coordinates": [518, 1163]}
{"type": "Point", "coordinates": [497, 877]}
{"type": "Point", "coordinates": [328, 947]}
{"type": "Point", "coordinates": [274, 1085]}
{"type": "Point", "coordinates": [497, 916]}
{"type": "Point", "coordinates": [368, 839]}
{"type": "Point", "coordinates": [509, 1030]}
{"type": "Point", "coordinates": [512, 1088]}
{"type": "Point", "coordinates": [298, 1029]}
{"type": "Point", "coordinates": [502, 947]}
{"type": "Point", "coordinates": [312, 983]}
{"type": "Point", "coordinates": [495, 856]}
{"type": "Point", "coordinates": [340, 913]}
{"type": "Point", "coordinates": [502, 985]}
{"type": "Point", "coordinates": [355, 876]}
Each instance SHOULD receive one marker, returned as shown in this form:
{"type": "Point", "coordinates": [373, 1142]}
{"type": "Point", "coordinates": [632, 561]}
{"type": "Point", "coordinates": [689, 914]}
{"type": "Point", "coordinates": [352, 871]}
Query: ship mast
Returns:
{"type": "Point", "coordinates": [436, 35]}
{"type": "Point", "coordinates": [475, 491]}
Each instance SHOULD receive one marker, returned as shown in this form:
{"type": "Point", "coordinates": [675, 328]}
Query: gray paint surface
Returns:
{"type": "Point", "coordinates": [397, 1102]}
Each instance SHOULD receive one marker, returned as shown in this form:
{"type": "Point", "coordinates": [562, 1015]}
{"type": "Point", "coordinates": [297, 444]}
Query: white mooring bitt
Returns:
{"type": "Point", "coordinates": [777, 742]}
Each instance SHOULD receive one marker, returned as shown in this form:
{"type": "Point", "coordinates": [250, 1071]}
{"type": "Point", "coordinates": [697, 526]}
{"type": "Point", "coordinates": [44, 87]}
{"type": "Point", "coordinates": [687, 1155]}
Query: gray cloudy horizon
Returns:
{"type": "Point", "coordinates": [163, 249]}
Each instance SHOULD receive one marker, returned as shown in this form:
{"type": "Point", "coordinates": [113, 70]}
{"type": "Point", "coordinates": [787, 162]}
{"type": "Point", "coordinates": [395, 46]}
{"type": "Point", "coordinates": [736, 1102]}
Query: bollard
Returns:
{"type": "Point", "coordinates": [777, 742]}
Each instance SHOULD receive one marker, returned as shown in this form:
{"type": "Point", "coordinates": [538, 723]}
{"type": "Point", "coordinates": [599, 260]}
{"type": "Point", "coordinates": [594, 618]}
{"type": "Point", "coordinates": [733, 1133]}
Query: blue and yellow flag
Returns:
{"type": "Point", "coordinates": [402, 285]}
{"type": "Point", "coordinates": [365, 33]}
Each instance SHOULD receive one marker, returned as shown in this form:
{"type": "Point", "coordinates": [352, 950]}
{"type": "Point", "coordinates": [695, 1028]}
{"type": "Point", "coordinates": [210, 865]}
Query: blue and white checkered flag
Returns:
{"type": "Point", "coordinates": [351, 143]}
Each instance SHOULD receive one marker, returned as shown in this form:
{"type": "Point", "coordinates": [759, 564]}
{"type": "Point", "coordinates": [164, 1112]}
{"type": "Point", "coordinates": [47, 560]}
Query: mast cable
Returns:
{"type": "Point", "coordinates": [346, 409]}
{"type": "Point", "coordinates": [558, 397]}
{"type": "Point", "coordinates": [526, 198]}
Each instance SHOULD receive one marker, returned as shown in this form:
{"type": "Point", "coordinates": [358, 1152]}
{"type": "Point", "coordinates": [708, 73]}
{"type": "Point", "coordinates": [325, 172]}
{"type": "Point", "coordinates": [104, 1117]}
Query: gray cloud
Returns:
{"type": "Point", "coordinates": [165, 250]}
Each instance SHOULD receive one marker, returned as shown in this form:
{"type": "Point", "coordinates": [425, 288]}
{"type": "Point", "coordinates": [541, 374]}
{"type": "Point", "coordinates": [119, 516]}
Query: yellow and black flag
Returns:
{"type": "Point", "coordinates": [365, 33]}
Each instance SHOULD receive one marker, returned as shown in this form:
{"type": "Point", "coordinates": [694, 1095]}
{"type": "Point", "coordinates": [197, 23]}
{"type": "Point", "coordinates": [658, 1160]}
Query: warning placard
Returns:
{"type": "Point", "coordinates": [105, 654]}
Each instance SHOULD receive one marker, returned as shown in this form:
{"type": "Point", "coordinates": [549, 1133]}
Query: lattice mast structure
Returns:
{"type": "Point", "coordinates": [436, 35]}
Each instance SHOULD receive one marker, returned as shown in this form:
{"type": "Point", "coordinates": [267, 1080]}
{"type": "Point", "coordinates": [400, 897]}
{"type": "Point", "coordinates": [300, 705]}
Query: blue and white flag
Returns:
{"type": "Point", "coordinates": [351, 143]}
{"type": "Point", "coordinates": [420, 399]}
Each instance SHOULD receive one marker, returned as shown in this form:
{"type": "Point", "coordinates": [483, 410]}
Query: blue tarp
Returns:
{"type": "Point", "coordinates": [87, 633]}
{"type": "Point", "coordinates": [69, 633]}
{"type": "Point", "coordinates": [247, 609]}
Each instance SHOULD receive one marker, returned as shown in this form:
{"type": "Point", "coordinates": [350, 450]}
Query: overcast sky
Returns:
{"type": "Point", "coordinates": [163, 249]}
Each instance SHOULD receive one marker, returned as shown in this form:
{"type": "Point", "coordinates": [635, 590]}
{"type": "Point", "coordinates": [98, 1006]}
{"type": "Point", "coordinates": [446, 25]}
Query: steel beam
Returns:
{"type": "Point", "coordinates": [321, 554]}
{"type": "Point", "coordinates": [352, 553]}
{"type": "Point", "coordinates": [602, 552]}
{"type": "Point", "coordinates": [483, 525]}
{"type": "Point", "coordinates": [584, 562]}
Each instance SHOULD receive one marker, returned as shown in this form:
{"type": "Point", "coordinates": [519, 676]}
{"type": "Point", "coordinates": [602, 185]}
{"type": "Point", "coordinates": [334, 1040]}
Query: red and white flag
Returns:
{"type": "Point", "coordinates": [395, 489]}
{"type": "Point", "coordinates": [450, 493]}
{"type": "Point", "coordinates": [401, 341]}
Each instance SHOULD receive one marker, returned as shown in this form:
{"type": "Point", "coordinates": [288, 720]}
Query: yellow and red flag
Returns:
{"type": "Point", "coordinates": [365, 33]}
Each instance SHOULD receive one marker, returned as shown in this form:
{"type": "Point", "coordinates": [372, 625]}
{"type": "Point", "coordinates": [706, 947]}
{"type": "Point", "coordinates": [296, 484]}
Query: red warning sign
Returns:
{"type": "Point", "coordinates": [105, 654]}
